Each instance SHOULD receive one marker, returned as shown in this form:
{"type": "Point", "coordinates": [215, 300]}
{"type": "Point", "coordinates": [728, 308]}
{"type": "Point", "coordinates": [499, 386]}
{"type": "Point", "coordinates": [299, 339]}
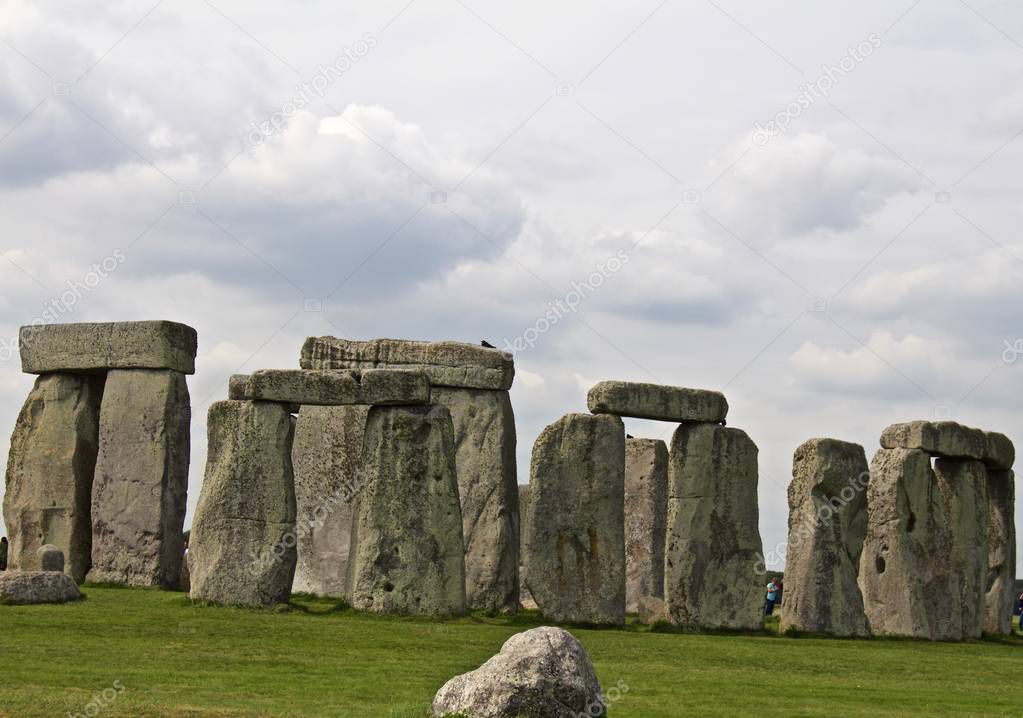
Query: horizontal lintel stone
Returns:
{"type": "Point", "coordinates": [311, 387]}
{"type": "Point", "coordinates": [96, 347]}
{"type": "Point", "coordinates": [657, 401]}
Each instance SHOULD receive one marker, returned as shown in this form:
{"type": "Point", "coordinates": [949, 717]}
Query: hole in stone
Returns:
{"type": "Point", "coordinates": [388, 586]}
{"type": "Point", "coordinates": [879, 564]}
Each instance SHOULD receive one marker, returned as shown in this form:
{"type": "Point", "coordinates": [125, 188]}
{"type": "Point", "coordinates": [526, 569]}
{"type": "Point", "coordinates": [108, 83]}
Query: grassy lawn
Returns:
{"type": "Point", "coordinates": [161, 656]}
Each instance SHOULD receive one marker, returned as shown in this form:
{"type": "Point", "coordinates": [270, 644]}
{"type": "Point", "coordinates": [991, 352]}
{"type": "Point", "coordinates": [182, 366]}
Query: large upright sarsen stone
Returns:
{"type": "Point", "coordinates": [827, 525]}
{"type": "Point", "coordinates": [484, 426]}
{"type": "Point", "coordinates": [141, 484]}
{"type": "Point", "coordinates": [905, 565]}
{"type": "Point", "coordinates": [1001, 551]}
{"type": "Point", "coordinates": [407, 555]}
{"type": "Point", "coordinates": [50, 470]}
{"type": "Point", "coordinates": [242, 542]}
{"type": "Point", "coordinates": [646, 515]}
{"type": "Point", "coordinates": [575, 523]}
{"type": "Point", "coordinates": [327, 454]}
{"type": "Point", "coordinates": [713, 540]}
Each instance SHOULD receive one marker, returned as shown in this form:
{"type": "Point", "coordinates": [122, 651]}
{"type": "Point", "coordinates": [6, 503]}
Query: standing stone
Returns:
{"type": "Point", "coordinates": [141, 484]}
{"type": "Point", "coordinates": [525, 597]}
{"type": "Point", "coordinates": [713, 541]}
{"type": "Point", "coordinates": [904, 568]}
{"type": "Point", "coordinates": [326, 455]}
{"type": "Point", "coordinates": [575, 521]}
{"type": "Point", "coordinates": [50, 469]}
{"type": "Point", "coordinates": [1001, 551]}
{"type": "Point", "coordinates": [827, 525]}
{"type": "Point", "coordinates": [485, 462]}
{"type": "Point", "coordinates": [407, 554]}
{"type": "Point", "coordinates": [963, 486]}
{"type": "Point", "coordinates": [646, 515]}
{"type": "Point", "coordinates": [242, 544]}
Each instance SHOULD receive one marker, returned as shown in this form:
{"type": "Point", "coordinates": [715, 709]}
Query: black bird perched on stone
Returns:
{"type": "Point", "coordinates": [488, 345]}
{"type": "Point", "coordinates": [629, 436]}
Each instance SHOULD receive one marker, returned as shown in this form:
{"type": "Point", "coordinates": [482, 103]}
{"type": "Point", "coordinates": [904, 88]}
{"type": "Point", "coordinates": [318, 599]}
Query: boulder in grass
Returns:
{"type": "Point", "coordinates": [542, 672]}
{"type": "Point", "coordinates": [22, 588]}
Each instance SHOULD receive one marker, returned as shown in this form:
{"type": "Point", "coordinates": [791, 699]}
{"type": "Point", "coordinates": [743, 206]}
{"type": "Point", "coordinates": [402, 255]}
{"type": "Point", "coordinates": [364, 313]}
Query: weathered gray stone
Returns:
{"type": "Point", "coordinates": [713, 540]}
{"type": "Point", "coordinates": [315, 387]}
{"type": "Point", "coordinates": [446, 363]}
{"type": "Point", "coordinates": [484, 425]}
{"type": "Point", "coordinates": [544, 672]}
{"type": "Point", "coordinates": [407, 554]}
{"type": "Point", "coordinates": [22, 588]}
{"type": "Point", "coordinates": [1000, 600]}
{"type": "Point", "coordinates": [327, 454]}
{"type": "Point", "coordinates": [575, 523]}
{"type": "Point", "coordinates": [1000, 453]}
{"type": "Point", "coordinates": [242, 545]}
{"type": "Point", "coordinates": [646, 515]}
{"type": "Point", "coordinates": [50, 469]}
{"type": "Point", "coordinates": [827, 525]}
{"type": "Point", "coordinates": [906, 565]}
{"type": "Point", "coordinates": [939, 438]}
{"type": "Point", "coordinates": [50, 558]}
{"type": "Point", "coordinates": [525, 597]}
{"type": "Point", "coordinates": [141, 485]}
{"type": "Point", "coordinates": [655, 401]}
{"type": "Point", "coordinates": [98, 347]}
{"type": "Point", "coordinates": [963, 487]}
{"type": "Point", "coordinates": [652, 609]}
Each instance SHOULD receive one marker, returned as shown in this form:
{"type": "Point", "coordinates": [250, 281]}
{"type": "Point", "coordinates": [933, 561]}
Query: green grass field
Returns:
{"type": "Point", "coordinates": [158, 655]}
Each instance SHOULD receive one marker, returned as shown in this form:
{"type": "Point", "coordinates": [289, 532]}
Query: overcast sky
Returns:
{"type": "Point", "coordinates": [814, 209]}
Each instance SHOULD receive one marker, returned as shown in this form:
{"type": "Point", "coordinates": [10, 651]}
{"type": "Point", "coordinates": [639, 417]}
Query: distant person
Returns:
{"type": "Point", "coordinates": [1019, 610]}
{"type": "Point", "coordinates": [3, 553]}
{"type": "Point", "coordinates": [772, 597]}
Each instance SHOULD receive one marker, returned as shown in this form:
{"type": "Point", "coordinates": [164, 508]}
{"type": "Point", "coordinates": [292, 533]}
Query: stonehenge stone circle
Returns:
{"type": "Point", "coordinates": [98, 347]}
{"type": "Point", "coordinates": [575, 523]}
{"type": "Point", "coordinates": [827, 524]}
{"type": "Point", "coordinates": [22, 588]}
{"type": "Point", "coordinates": [242, 541]}
{"type": "Point", "coordinates": [939, 438]}
{"type": "Point", "coordinates": [1001, 552]}
{"type": "Point", "coordinates": [332, 388]}
{"type": "Point", "coordinates": [407, 554]}
{"type": "Point", "coordinates": [542, 672]}
{"type": "Point", "coordinates": [485, 462]}
{"type": "Point", "coordinates": [963, 488]}
{"type": "Point", "coordinates": [50, 471]}
{"type": "Point", "coordinates": [655, 401]}
{"type": "Point", "coordinates": [904, 567]}
{"type": "Point", "coordinates": [472, 382]}
{"type": "Point", "coordinates": [327, 454]}
{"type": "Point", "coordinates": [446, 363]}
{"type": "Point", "coordinates": [50, 558]}
{"type": "Point", "coordinates": [141, 480]}
{"type": "Point", "coordinates": [713, 538]}
{"type": "Point", "coordinates": [646, 515]}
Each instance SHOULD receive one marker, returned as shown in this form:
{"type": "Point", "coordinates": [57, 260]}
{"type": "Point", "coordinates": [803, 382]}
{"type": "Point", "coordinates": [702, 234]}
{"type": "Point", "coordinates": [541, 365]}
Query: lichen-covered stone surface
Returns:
{"type": "Point", "coordinates": [484, 430]}
{"type": "Point", "coordinates": [101, 346]}
{"type": "Point", "coordinates": [827, 524]}
{"type": "Point", "coordinates": [646, 515]}
{"type": "Point", "coordinates": [713, 539]}
{"type": "Point", "coordinates": [446, 363]}
{"type": "Point", "coordinates": [50, 471]}
{"type": "Point", "coordinates": [327, 454]}
{"type": "Point", "coordinates": [656, 401]}
{"type": "Point", "coordinates": [242, 542]}
{"type": "Point", "coordinates": [939, 438]}
{"type": "Point", "coordinates": [575, 522]}
{"type": "Point", "coordinates": [407, 554]}
{"type": "Point", "coordinates": [141, 482]}
{"type": "Point", "coordinates": [544, 672]}
{"type": "Point", "coordinates": [1001, 552]}
{"type": "Point", "coordinates": [22, 588]}
{"type": "Point", "coordinates": [314, 387]}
